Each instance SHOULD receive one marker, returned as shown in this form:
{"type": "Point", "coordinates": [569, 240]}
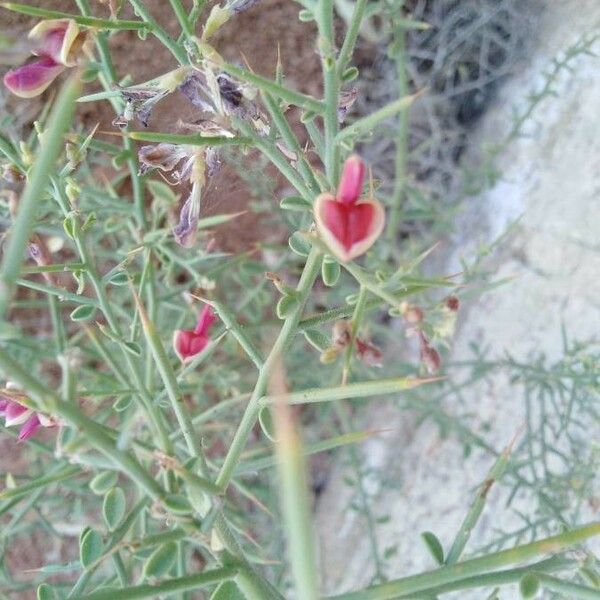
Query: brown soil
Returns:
{"type": "Point", "coordinates": [253, 37]}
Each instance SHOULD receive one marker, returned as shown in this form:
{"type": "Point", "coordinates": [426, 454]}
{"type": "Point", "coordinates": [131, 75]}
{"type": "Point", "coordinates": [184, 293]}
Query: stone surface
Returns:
{"type": "Point", "coordinates": [551, 181]}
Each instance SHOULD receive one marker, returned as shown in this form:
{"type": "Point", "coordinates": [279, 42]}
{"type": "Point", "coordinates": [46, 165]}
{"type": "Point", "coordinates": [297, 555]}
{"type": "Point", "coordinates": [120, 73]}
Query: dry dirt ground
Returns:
{"type": "Point", "coordinates": [254, 37]}
{"type": "Point", "coordinates": [551, 178]}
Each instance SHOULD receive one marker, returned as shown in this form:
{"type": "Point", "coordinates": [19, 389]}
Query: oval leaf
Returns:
{"type": "Point", "coordinates": [295, 203]}
{"type": "Point", "coordinates": [83, 313]}
{"type": "Point", "coordinates": [286, 305]}
{"type": "Point", "coordinates": [299, 244]}
{"type": "Point", "coordinates": [103, 482]}
{"type": "Point", "coordinates": [434, 546]}
{"type": "Point", "coordinates": [90, 547]}
{"type": "Point", "coordinates": [45, 592]}
{"type": "Point", "coordinates": [114, 507]}
{"type": "Point", "coordinates": [228, 590]}
{"type": "Point", "coordinates": [266, 423]}
{"type": "Point", "coordinates": [529, 586]}
{"type": "Point", "coordinates": [161, 560]}
{"type": "Point", "coordinates": [330, 271]}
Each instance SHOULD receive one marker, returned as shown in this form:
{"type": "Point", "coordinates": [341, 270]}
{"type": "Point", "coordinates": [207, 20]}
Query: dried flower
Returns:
{"type": "Point", "coordinates": [369, 353]}
{"type": "Point", "coordinates": [341, 334]}
{"type": "Point", "coordinates": [348, 224]}
{"type": "Point", "coordinates": [141, 99]}
{"type": "Point", "coordinates": [430, 357]}
{"type": "Point", "coordinates": [188, 343]}
{"type": "Point", "coordinates": [347, 99]}
{"type": "Point", "coordinates": [58, 43]}
{"type": "Point", "coordinates": [452, 303]}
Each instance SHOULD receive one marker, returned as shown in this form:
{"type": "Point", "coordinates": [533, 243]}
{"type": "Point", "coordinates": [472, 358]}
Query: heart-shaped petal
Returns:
{"type": "Point", "coordinates": [188, 344]}
{"type": "Point", "coordinates": [349, 230]}
{"type": "Point", "coordinates": [33, 78]}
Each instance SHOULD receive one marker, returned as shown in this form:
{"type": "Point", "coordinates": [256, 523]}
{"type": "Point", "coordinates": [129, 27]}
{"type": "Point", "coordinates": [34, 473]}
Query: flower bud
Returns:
{"type": "Point", "coordinates": [351, 182]}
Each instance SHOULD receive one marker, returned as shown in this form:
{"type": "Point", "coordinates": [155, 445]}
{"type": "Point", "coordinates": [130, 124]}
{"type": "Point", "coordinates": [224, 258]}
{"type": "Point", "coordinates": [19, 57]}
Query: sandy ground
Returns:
{"type": "Point", "coordinates": [551, 179]}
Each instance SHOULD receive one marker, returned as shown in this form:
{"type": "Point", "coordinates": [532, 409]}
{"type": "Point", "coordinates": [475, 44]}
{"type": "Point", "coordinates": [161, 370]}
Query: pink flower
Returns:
{"type": "Point", "coordinates": [188, 343]}
{"type": "Point", "coordinates": [57, 43]}
{"type": "Point", "coordinates": [347, 223]}
{"type": "Point", "coordinates": [18, 414]}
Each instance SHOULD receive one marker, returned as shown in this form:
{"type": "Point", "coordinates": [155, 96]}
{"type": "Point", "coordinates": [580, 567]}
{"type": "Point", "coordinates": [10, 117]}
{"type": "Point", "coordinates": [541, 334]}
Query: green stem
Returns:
{"type": "Point", "coordinates": [94, 433]}
{"type": "Point", "coordinates": [351, 36]}
{"type": "Point", "coordinates": [290, 139]}
{"type": "Point", "coordinates": [283, 341]}
{"type": "Point", "coordinates": [43, 13]}
{"type": "Point", "coordinates": [238, 332]}
{"type": "Point", "coordinates": [166, 40]}
{"type": "Point", "coordinates": [262, 83]}
{"type": "Point", "coordinates": [351, 390]}
{"type": "Point", "coordinates": [568, 588]}
{"type": "Point", "coordinates": [49, 150]}
{"type": "Point", "coordinates": [182, 17]}
{"type": "Point", "coordinates": [368, 123]}
{"type": "Point", "coordinates": [401, 138]}
{"type": "Point", "coordinates": [423, 582]}
{"type": "Point", "coordinates": [165, 587]}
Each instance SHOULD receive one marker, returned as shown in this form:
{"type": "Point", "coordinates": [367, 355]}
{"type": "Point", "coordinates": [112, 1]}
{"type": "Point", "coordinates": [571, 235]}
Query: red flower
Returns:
{"type": "Point", "coordinates": [187, 343]}
{"type": "Point", "coordinates": [347, 223]}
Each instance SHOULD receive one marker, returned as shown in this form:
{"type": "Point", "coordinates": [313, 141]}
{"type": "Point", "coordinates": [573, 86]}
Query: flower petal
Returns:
{"type": "Point", "coordinates": [33, 78]}
{"type": "Point", "coordinates": [16, 414]}
{"type": "Point", "coordinates": [205, 320]}
{"type": "Point", "coordinates": [57, 39]}
{"type": "Point", "coordinates": [188, 344]}
{"type": "Point", "coordinates": [349, 230]}
{"type": "Point", "coordinates": [352, 179]}
{"type": "Point", "coordinates": [29, 428]}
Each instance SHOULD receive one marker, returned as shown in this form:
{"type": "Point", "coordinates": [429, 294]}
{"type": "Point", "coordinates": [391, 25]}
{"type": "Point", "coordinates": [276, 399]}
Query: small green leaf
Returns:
{"type": "Point", "coordinates": [308, 116]}
{"type": "Point", "coordinates": [286, 305]}
{"type": "Point", "coordinates": [161, 560]}
{"type": "Point", "coordinates": [45, 592]}
{"type": "Point", "coordinates": [306, 15]}
{"type": "Point", "coordinates": [218, 219]}
{"type": "Point", "coordinates": [90, 547]}
{"type": "Point", "coordinates": [330, 271]}
{"type": "Point", "coordinates": [295, 203]}
{"type": "Point", "coordinates": [123, 403]}
{"type": "Point", "coordinates": [178, 504]}
{"type": "Point", "coordinates": [103, 482]}
{"type": "Point", "coordinates": [350, 74]}
{"type": "Point", "coordinates": [299, 244]}
{"type": "Point", "coordinates": [228, 590]}
{"type": "Point", "coordinates": [89, 222]}
{"type": "Point", "coordinates": [113, 507]}
{"type": "Point", "coordinates": [266, 423]}
{"type": "Point", "coordinates": [133, 348]}
{"type": "Point", "coordinates": [69, 225]}
{"type": "Point", "coordinates": [119, 278]}
{"type": "Point", "coordinates": [529, 586]}
{"type": "Point", "coordinates": [317, 339]}
{"type": "Point", "coordinates": [83, 313]}
{"type": "Point", "coordinates": [434, 546]}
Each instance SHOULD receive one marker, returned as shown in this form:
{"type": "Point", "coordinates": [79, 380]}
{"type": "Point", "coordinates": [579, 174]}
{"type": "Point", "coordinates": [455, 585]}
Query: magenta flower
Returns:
{"type": "Point", "coordinates": [57, 43]}
{"type": "Point", "coordinates": [347, 223]}
{"type": "Point", "coordinates": [188, 343]}
{"type": "Point", "coordinates": [18, 414]}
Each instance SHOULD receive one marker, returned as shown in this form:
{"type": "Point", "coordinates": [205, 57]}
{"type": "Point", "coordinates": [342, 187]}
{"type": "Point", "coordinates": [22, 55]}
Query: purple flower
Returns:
{"type": "Point", "coordinates": [16, 413]}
